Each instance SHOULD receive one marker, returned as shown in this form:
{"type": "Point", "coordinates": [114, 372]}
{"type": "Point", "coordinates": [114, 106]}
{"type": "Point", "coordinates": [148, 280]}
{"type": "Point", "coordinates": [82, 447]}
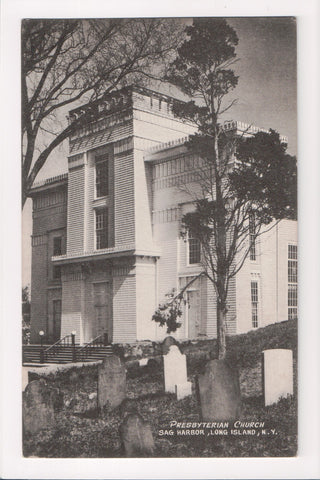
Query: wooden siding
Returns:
{"type": "Point", "coordinates": [145, 298]}
{"type": "Point", "coordinates": [271, 272]}
{"type": "Point", "coordinates": [39, 270]}
{"type": "Point", "coordinates": [76, 189]}
{"type": "Point", "coordinates": [124, 309]}
{"type": "Point", "coordinates": [71, 319]}
{"type": "Point", "coordinates": [124, 200]}
{"type": "Point", "coordinates": [49, 220]}
{"type": "Point", "coordinates": [142, 206]}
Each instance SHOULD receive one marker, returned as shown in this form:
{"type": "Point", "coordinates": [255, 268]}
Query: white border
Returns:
{"type": "Point", "coordinates": [306, 465]}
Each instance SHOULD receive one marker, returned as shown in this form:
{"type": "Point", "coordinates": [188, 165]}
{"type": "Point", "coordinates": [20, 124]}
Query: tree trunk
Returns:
{"type": "Point", "coordinates": [221, 330]}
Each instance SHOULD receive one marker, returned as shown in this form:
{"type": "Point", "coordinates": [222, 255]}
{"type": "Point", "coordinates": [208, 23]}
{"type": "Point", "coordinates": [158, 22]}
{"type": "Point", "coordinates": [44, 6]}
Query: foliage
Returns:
{"type": "Point", "coordinates": [26, 306]}
{"type": "Point", "coordinates": [68, 61]}
{"type": "Point", "coordinates": [244, 182]}
{"type": "Point", "coordinates": [266, 176]}
{"type": "Point", "coordinates": [96, 435]}
{"type": "Point", "coordinates": [169, 312]}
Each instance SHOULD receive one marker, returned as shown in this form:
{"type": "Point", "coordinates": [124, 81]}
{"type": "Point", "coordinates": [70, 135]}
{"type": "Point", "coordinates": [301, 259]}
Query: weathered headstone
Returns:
{"type": "Point", "coordinates": [278, 374]}
{"type": "Point", "coordinates": [111, 382]}
{"type": "Point", "coordinates": [136, 436]}
{"type": "Point", "coordinates": [183, 390]}
{"type": "Point", "coordinates": [166, 344]}
{"type": "Point", "coordinates": [39, 404]}
{"type": "Point", "coordinates": [175, 368]}
{"type": "Point", "coordinates": [219, 392]}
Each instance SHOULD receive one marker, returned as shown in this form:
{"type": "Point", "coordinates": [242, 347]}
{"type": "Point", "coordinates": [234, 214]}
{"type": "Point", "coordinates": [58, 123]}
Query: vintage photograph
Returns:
{"type": "Point", "coordinates": [160, 247]}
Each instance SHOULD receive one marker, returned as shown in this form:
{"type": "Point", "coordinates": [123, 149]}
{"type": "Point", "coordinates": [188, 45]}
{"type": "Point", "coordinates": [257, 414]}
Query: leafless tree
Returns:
{"type": "Point", "coordinates": [68, 62]}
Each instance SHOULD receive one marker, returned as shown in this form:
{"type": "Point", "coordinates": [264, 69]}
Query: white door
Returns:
{"type": "Point", "coordinates": [193, 306]}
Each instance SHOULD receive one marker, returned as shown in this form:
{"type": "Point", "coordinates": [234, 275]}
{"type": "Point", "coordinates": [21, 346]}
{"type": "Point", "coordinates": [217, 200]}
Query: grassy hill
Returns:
{"type": "Point", "coordinates": [95, 433]}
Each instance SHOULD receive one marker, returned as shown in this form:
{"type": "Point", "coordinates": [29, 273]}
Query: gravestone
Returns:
{"type": "Point", "coordinates": [111, 382]}
{"type": "Point", "coordinates": [136, 436]}
{"type": "Point", "coordinates": [277, 374]}
{"type": "Point", "coordinates": [39, 404]}
{"type": "Point", "coordinates": [175, 369]}
{"type": "Point", "coordinates": [219, 392]}
{"type": "Point", "coordinates": [166, 344]}
{"type": "Point", "coordinates": [143, 362]}
{"type": "Point", "coordinates": [183, 390]}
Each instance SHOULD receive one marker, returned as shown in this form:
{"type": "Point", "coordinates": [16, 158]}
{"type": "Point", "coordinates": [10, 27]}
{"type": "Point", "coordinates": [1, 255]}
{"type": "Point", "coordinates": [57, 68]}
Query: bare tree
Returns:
{"type": "Point", "coordinates": [67, 62]}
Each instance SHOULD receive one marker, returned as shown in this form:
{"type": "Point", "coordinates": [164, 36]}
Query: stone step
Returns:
{"type": "Point", "coordinates": [64, 354]}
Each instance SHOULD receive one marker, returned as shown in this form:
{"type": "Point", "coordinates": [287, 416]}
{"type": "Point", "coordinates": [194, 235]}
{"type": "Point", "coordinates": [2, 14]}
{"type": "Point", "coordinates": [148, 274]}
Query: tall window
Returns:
{"type": "Point", "coordinates": [56, 272]}
{"type": "Point", "coordinates": [102, 175]}
{"type": "Point", "coordinates": [194, 250]}
{"type": "Point", "coordinates": [292, 281]}
{"type": "Point", "coordinates": [57, 246]}
{"type": "Point", "coordinates": [101, 228]}
{"type": "Point", "coordinates": [252, 233]}
{"type": "Point", "coordinates": [254, 304]}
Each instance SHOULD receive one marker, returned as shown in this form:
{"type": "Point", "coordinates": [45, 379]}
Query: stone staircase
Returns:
{"type": "Point", "coordinates": [64, 353]}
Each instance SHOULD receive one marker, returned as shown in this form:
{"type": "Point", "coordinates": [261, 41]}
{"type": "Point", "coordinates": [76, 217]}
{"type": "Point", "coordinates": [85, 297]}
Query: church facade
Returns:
{"type": "Point", "coordinates": [106, 245]}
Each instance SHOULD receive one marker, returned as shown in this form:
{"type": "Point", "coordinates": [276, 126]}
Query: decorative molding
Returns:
{"type": "Point", "coordinates": [77, 160]}
{"type": "Point", "coordinates": [37, 240]}
{"type": "Point", "coordinates": [247, 128]}
{"type": "Point", "coordinates": [49, 181]}
{"type": "Point", "coordinates": [49, 199]}
{"type": "Point", "coordinates": [123, 145]}
{"type": "Point", "coordinates": [44, 211]}
{"type": "Point", "coordinates": [73, 276]}
{"type": "Point", "coordinates": [122, 271]}
{"type": "Point", "coordinates": [255, 274]}
{"type": "Point", "coordinates": [176, 180]}
{"type": "Point", "coordinates": [166, 145]}
{"type": "Point", "coordinates": [101, 125]}
{"type": "Point", "coordinates": [165, 216]}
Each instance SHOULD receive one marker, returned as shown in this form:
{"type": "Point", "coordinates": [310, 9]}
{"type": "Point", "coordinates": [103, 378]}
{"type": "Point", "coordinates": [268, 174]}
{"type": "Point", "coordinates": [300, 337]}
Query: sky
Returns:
{"type": "Point", "coordinates": [266, 95]}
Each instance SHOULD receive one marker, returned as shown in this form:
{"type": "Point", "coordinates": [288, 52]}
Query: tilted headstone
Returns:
{"type": "Point", "coordinates": [111, 382]}
{"type": "Point", "coordinates": [183, 390]}
{"type": "Point", "coordinates": [219, 392]}
{"type": "Point", "coordinates": [136, 436]}
{"type": "Point", "coordinates": [175, 368]}
{"type": "Point", "coordinates": [39, 404]}
{"type": "Point", "coordinates": [166, 344]}
{"type": "Point", "coordinates": [278, 374]}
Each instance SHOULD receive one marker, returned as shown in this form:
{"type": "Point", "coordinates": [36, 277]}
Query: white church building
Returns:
{"type": "Point", "coordinates": [106, 245]}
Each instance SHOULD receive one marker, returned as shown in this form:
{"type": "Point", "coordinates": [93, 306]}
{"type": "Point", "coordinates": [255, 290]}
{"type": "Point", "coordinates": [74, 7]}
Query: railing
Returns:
{"type": "Point", "coordinates": [89, 348]}
{"type": "Point", "coordinates": [66, 341]}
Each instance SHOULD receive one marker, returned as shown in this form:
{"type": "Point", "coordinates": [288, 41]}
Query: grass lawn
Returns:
{"type": "Point", "coordinates": [96, 434]}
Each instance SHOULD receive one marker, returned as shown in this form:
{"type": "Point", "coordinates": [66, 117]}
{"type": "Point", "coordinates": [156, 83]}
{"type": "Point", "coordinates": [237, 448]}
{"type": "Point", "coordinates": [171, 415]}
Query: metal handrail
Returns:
{"type": "Point", "coordinates": [90, 346]}
{"type": "Point", "coordinates": [67, 340]}
{"type": "Point", "coordinates": [63, 339]}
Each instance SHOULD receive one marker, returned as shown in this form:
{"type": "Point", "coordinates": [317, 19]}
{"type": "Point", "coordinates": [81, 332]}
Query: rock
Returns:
{"type": "Point", "coordinates": [277, 374]}
{"type": "Point", "coordinates": [166, 344]}
{"type": "Point", "coordinates": [39, 405]}
{"type": "Point", "coordinates": [219, 392]}
{"type": "Point", "coordinates": [111, 382]}
{"type": "Point", "coordinates": [136, 436]}
{"type": "Point", "coordinates": [143, 362]}
{"type": "Point", "coordinates": [183, 390]}
{"type": "Point", "coordinates": [175, 368]}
